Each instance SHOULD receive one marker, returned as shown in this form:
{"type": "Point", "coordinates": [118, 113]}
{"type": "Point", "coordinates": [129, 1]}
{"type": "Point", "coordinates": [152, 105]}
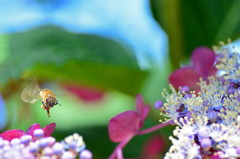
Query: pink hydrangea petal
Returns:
{"type": "Point", "coordinates": [185, 76]}
{"type": "Point", "coordinates": [141, 108]}
{"type": "Point", "coordinates": [203, 60]}
{"type": "Point", "coordinates": [32, 128]}
{"type": "Point", "coordinates": [85, 93]}
{"type": "Point", "coordinates": [12, 134]}
{"type": "Point", "coordinates": [215, 156]}
{"type": "Point", "coordinates": [154, 145]}
{"type": "Point", "coordinates": [48, 130]}
{"type": "Point", "coordinates": [213, 71]}
{"type": "Point", "coordinates": [123, 125]}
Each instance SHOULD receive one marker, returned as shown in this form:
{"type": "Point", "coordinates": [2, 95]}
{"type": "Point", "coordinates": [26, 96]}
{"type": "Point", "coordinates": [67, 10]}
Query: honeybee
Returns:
{"type": "Point", "coordinates": [32, 93]}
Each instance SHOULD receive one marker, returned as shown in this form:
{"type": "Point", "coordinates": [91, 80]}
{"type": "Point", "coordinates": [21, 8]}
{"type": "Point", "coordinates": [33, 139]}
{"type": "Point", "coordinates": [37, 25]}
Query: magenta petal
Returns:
{"type": "Point", "coordinates": [85, 93]}
{"type": "Point", "coordinates": [154, 145]}
{"type": "Point", "coordinates": [32, 128]}
{"type": "Point", "coordinates": [203, 60]}
{"type": "Point", "coordinates": [185, 76]}
{"type": "Point", "coordinates": [11, 134]}
{"type": "Point", "coordinates": [48, 130]}
{"type": "Point", "coordinates": [123, 125]}
{"type": "Point", "coordinates": [142, 109]}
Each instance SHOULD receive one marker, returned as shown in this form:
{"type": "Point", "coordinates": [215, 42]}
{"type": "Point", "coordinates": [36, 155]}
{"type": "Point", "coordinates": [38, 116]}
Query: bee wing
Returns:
{"type": "Point", "coordinates": [30, 94]}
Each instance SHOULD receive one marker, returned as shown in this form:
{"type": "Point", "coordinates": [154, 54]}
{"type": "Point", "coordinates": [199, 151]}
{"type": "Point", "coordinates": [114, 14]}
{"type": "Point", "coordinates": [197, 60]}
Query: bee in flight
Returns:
{"type": "Point", "coordinates": [32, 92]}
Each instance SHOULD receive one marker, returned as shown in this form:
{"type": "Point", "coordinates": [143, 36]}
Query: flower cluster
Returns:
{"type": "Point", "coordinates": [208, 119]}
{"type": "Point", "coordinates": [38, 143]}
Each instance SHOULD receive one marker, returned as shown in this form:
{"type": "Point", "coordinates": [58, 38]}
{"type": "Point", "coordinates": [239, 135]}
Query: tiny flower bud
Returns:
{"type": "Point", "coordinates": [58, 148]}
{"type": "Point", "coordinates": [238, 150]}
{"type": "Point", "coordinates": [231, 90]}
{"type": "Point", "coordinates": [218, 107]}
{"type": "Point", "coordinates": [212, 115]}
{"type": "Point", "coordinates": [158, 104]}
{"type": "Point", "coordinates": [15, 142]}
{"type": "Point", "coordinates": [1, 142]}
{"type": "Point", "coordinates": [72, 145]}
{"type": "Point", "coordinates": [202, 134]}
{"type": "Point", "coordinates": [48, 151]}
{"type": "Point", "coordinates": [68, 155]}
{"type": "Point", "coordinates": [26, 154]}
{"type": "Point", "coordinates": [25, 139]}
{"type": "Point", "coordinates": [43, 143]}
{"type": "Point", "coordinates": [33, 147]}
{"type": "Point", "coordinates": [51, 140]}
{"type": "Point", "coordinates": [38, 133]}
{"type": "Point", "coordinates": [85, 154]}
{"type": "Point", "coordinates": [185, 89]}
{"type": "Point", "coordinates": [206, 143]}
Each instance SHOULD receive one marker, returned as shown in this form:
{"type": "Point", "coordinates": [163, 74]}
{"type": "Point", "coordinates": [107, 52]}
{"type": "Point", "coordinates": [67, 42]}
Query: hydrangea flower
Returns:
{"type": "Point", "coordinates": [37, 143]}
{"type": "Point", "coordinates": [208, 120]}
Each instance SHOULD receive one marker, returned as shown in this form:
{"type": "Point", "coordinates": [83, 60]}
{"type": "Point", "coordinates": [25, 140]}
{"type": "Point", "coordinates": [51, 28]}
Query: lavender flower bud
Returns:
{"type": "Point", "coordinates": [202, 134]}
{"type": "Point", "coordinates": [218, 107]}
{"type": "Point", "coordinates": [26, 154]}
{"type": "Point", "coordinates": [33, 148]}
{"type": "Point", "coordinates": [58, 148]}
{"type": "Point", "coordinates": [25, 139]}
{"type": "Point", "coordinates": [238, 150]}
{"type": "Point", "coordinates": [85, 154]}
{"type": "Point", "coordinates": [6, 148]}
{"type": "Point", "coordinates": [15, 142]}
{"type": "Point", "coordinates": [68, 155]}
{"type": "Point", "coordinates": [185, 89]}
{"type": "Point", "coordinates": [72, 145]}
{"type": "Point", "coordinates": [2, 143]}
{"type": "Point", "coordinates": [231, 90]}
{"type": "Point", "coordinates": [212, 115]}
{"type": "Point", "coordinates": [158, 104]}
{"type": "Point", "coordinates": [51, 140]}
{"type": "Point", "coordinates": [48, 151]}
{"type": "Point", "coordinates": [43, 142]}
{"type": "Point", "coordinates": [206, 143]}
{"type": "Point", "coordinates": [38, 133]}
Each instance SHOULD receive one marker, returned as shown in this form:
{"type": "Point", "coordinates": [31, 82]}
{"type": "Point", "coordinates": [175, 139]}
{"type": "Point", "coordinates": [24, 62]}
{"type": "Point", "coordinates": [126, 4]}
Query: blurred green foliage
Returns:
{"type": "Point", "coordinates": [50, 53]}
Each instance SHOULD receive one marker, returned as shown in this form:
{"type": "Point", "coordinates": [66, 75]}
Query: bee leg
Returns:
{"type": "Point", "coordinates": [48, 112]}
{"type": "Point", "coordinates": [42, 106]}
{"type": "Point", "coordinates": [44, 103]}
{"type": "Point", "coordinates": [47, 109]}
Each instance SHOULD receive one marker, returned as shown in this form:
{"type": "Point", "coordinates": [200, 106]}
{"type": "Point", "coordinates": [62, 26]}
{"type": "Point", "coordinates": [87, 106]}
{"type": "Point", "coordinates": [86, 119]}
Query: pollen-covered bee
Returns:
{"type": "Point", "coordinates": [32, 92]}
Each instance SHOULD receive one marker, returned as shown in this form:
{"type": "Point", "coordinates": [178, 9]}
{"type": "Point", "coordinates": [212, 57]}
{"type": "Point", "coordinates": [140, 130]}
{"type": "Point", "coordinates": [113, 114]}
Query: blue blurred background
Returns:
{"type": "Point", "coordinates": [97, 55]}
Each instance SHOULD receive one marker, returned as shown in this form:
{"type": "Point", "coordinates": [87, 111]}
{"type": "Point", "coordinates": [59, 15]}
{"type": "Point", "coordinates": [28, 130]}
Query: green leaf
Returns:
{"type": "Point", "coordinates": [49, 53]}
{"type": "Point", "coordinates": [191, 24]}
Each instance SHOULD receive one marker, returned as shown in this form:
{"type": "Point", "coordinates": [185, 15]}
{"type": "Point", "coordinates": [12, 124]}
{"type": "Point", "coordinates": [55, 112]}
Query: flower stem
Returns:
{"type": "Point", "coordinates": [154, 128]}
{"type": "Point", "coordinates": [118, 150]}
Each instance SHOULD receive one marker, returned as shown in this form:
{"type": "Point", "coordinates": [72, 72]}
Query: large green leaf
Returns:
{"type": "Point", "coordinates": [190, 24]}
{"type": "Point", "coordinates": [50, 53]}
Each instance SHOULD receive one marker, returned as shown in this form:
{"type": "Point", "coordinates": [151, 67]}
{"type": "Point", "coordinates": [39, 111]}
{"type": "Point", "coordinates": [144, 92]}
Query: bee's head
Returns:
{"type": "Point", "coordinates": [51, 101]}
